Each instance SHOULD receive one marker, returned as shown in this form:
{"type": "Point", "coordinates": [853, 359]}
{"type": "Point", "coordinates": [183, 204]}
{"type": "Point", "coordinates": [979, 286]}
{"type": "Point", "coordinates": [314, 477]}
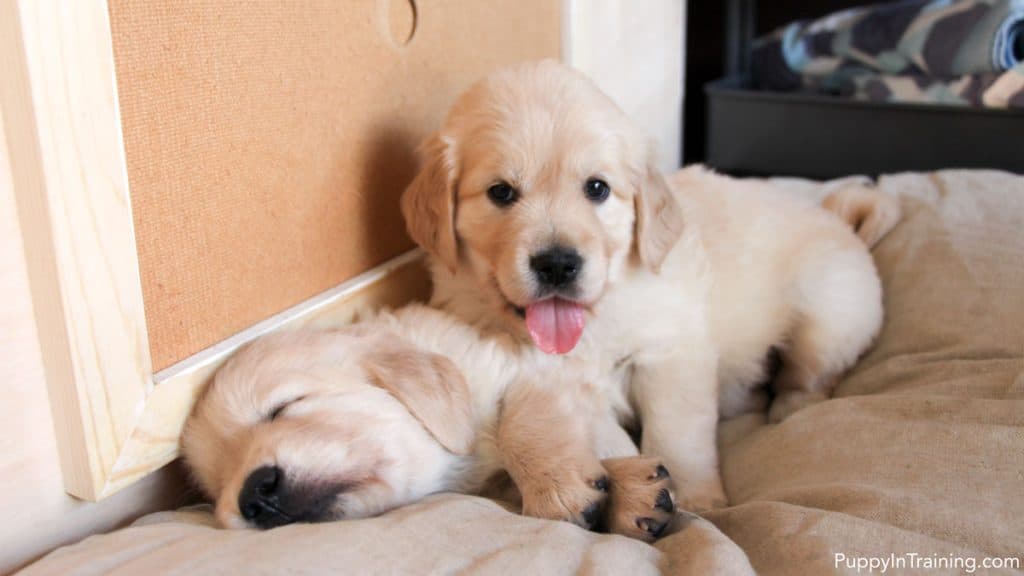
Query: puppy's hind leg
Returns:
{"type": "Point", "coordinates": [838, 312]}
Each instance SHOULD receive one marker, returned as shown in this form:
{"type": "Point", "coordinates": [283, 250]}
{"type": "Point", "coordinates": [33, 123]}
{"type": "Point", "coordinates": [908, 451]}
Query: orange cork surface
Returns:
{"type": "Point", "coordinates": [268, 143]}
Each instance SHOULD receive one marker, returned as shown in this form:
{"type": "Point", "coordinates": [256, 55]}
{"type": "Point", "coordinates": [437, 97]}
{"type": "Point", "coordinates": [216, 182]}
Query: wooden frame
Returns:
{"type": "Point", "coordinates": [115, 420]}
{"type": "Point", "coordinates": [71, 187]}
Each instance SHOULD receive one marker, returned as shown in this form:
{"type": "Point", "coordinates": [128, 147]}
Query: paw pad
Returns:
{"type": "Point", "coordinates": [660, 472]}
{"type": "Point", "coordinates": [664, 501]}
{"type": "Point", "coordinates": [651, 526]}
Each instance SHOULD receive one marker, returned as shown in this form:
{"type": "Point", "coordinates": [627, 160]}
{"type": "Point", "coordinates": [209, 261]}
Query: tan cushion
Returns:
{"type": "Point", "coordinates": [442, 535]}
{"type": "Point", "coordinates": [922, 448]}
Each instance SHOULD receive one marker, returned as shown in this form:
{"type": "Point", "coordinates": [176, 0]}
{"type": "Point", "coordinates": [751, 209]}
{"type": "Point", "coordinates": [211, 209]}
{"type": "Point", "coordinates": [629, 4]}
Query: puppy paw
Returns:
{"type": "Point", "coordinates": [640, 501]}
{"type": "Point", "coordinates": [570, 493]}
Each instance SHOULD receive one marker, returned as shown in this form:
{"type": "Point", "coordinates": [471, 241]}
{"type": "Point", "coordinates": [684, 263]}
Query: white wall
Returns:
{"type": "Point", "coordinates": [634, 51]}
{"type": "Point", "coordinates": [36, 513]}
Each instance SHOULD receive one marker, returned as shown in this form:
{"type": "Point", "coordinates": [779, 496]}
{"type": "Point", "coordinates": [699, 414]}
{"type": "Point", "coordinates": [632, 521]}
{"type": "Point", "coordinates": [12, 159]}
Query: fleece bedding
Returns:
{"type": "Point", "coordinates": [915, 466]}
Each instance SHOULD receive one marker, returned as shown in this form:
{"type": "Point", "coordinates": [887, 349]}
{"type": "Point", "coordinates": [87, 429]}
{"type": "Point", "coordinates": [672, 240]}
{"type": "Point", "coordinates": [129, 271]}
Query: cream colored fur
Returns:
{"type": "Point", "coordinates": [688, 281]}
{"type": "Point", "coordinates": [413, 402]}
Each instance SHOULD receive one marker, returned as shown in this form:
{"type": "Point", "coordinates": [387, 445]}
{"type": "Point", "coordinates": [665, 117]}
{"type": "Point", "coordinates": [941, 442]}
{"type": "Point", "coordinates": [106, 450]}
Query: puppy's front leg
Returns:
{"type": "Point", "coordinates": [676, 394]}
{"type": "Point", "coordinates": [545, 447]}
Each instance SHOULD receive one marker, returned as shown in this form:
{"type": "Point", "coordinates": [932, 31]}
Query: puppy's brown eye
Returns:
{"type": "Point", "coordinates": [502, 194]}
{"type": "Point", "coordinates": [597, 190]}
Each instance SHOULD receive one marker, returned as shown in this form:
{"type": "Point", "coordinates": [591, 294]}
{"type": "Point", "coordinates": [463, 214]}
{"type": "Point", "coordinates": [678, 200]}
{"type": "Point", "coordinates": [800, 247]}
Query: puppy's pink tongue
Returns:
{"type": "Point", "coordinates": [555, 324]}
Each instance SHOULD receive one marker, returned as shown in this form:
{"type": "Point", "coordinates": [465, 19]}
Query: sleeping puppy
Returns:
{"type": "Point", "coordinates": [315, 426]}
{"type": "Point", "coordinates": [546, 219]}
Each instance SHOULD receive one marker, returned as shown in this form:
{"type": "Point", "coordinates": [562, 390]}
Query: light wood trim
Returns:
{"type": "Point", "coordinates": [71, 188]}
{"type": "Point", "coordinates": [115, 422]}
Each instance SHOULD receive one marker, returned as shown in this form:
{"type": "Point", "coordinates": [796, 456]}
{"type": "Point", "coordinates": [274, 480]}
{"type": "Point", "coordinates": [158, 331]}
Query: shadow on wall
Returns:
{"type": "Point", "coordinates": [389, 167]}
{"type": "Point", "coordinates": [389, 157]}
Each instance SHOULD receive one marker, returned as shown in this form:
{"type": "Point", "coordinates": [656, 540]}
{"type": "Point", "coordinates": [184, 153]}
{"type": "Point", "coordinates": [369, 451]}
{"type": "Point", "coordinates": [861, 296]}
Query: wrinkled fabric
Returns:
{"type": "Point", "coordinates": [445, 534]}
{"type": "Point", "coordinates": [921, 450]}
{"type": "Point", "coordinates": [917, 51]}
{"type": "Point", "coordinates": [1004, 90]}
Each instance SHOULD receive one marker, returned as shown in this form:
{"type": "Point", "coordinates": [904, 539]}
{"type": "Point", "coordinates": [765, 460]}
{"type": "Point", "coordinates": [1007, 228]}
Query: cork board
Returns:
{"type": "Point", "coordinates": [268, 142]}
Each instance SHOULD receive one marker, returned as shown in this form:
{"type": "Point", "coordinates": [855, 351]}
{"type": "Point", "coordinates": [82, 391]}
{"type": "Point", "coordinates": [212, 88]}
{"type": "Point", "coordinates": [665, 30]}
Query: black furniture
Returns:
{"type": "Point", "coordinates": [743, 132]}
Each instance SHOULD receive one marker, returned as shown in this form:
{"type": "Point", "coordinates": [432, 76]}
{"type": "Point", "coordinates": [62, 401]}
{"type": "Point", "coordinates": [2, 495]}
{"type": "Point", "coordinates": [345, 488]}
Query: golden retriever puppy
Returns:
{"type": "Point", "coordinates": [313, 426]}
{"type": "Point", "coordinates": [545, 219]}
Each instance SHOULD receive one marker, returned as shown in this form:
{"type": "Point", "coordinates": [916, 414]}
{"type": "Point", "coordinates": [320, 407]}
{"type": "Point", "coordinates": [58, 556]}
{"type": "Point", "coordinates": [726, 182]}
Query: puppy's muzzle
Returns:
{"type": "Point", "coordinates": [556, 268]}
{"type": "Point", "coordinates": [267, 501]}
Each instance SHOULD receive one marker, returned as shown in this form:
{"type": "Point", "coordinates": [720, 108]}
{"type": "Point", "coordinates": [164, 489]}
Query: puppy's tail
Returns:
{"type": "Point", "coordinates": [869, 212]}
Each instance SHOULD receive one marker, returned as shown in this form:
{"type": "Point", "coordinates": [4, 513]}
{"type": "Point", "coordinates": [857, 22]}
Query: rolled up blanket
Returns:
{"type": "Point", "coordinates": [1007, 91]}
{"type": "Point", "coordinates": [944, 39]}
{"type": "Point", "coordinates": [990, 90]}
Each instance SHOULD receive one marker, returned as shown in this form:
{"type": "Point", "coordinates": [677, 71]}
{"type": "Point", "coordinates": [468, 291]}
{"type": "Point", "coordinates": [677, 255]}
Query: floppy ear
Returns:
{"type": "Point", "coordinates": [428, 203]}
{"type": "Point", "coordinates": [431, 388]}
{"type": "Point", "coordinates": [659, 219]}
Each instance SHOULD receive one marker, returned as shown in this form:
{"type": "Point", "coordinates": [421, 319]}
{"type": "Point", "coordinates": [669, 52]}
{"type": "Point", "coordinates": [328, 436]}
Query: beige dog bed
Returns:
{"type": "Point", "coordinates": [918, 459]}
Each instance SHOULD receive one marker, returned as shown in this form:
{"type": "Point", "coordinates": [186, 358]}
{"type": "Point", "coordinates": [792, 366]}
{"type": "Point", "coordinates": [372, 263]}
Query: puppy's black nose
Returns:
{"type": "Point", "coordinates": [259, 501]}
{"type": "Point", "coordinates": [557, 266]}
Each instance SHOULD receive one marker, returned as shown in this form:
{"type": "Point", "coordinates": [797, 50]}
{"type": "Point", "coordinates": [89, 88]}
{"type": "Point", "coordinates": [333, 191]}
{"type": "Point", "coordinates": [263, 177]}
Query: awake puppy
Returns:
{"type": "Point", "coordinates": [546, 219]}
{"type": "Point", "coordinates": [315, 426]}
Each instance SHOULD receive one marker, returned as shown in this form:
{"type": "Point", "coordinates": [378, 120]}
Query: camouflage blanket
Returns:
{"type": "Point", "coordinates": [991, 90]}
{"type": "Point", "coordinates": [936, 51]}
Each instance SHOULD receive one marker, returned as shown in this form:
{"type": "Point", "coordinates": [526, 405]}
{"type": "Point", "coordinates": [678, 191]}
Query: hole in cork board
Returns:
{"type": "Point", "coordinates": [399, 20]}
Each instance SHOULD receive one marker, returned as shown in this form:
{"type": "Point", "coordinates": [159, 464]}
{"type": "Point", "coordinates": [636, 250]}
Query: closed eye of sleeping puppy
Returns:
{"type": "Point", "coordinates": [546, 219]}
{"type": "Point", "coordinates": [314, 426]}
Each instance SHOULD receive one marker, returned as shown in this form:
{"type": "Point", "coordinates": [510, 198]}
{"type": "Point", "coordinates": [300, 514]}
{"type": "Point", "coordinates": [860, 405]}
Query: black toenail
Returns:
{"type": "Point", "coordinates": [660, 472]}
{"type": "Point", "coordinates": [664, 501]}
{"type": "Point", "coordinates": [601, 484]}
{"type": "Point", "coordinates": [590, 514]}
{"type": "Point", "coordinates": [651, 526]}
